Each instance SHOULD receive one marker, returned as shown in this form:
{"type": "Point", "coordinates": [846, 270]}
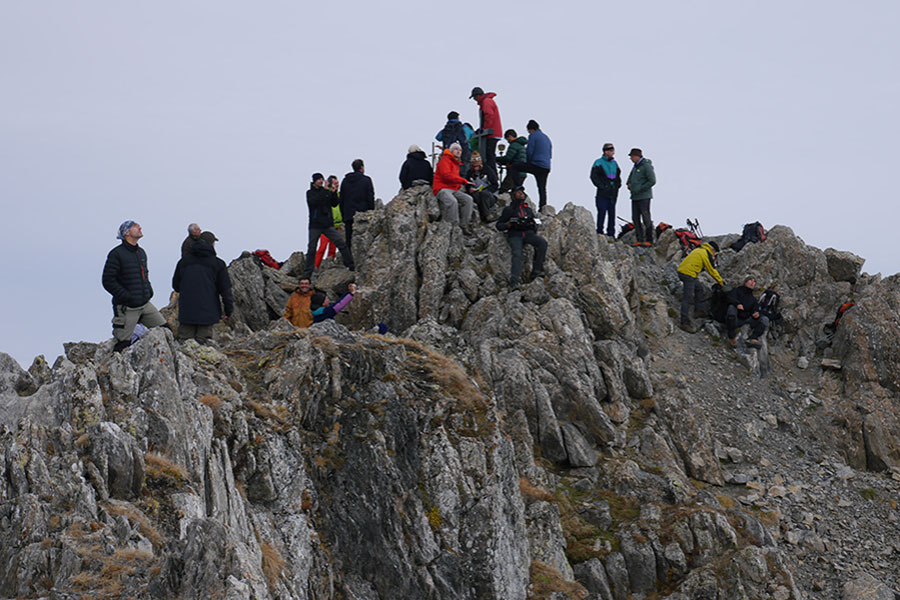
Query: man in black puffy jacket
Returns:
{"type": "Point", "coordinates": [517, 220]}
{"type": "Point", "coordinates": [743, 308]}
{"type": "Point", "coordinates": [201, 279]}
{"type": "Point", "coordinates": [415, 168]}
{"type": "Point", "coordinates": [319, 201]}
{"type": "Point", "coordinates": [125, 276]}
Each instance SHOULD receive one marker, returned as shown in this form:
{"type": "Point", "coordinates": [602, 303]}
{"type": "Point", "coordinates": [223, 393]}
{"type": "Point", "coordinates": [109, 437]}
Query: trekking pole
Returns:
{"type": "Point", "coordinates": [623, 220]}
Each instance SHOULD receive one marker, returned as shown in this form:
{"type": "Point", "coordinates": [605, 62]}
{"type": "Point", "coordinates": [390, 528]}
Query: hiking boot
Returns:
{"type": "Point", "coordinates": [513, 286]}
{"type": "Point", "coordinates": [687, 327]}
{"type": "Point", "coordinates": [732, 342]}
{"type": "Point", "coordinates": [646, 244]}
{"type": "Point", "coordinates": [121, 345]}
{"type": "Point", "coordinates": [638, 244]}
{"type": "Point", "coordinates": [537, 274]}
{"type": "Point", "coordinates": [754, 343]}
{"type": "Point", "coordinates": [700, 314]}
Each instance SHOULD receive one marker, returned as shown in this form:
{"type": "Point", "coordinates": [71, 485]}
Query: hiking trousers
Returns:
{"type": "Point", "coordinates": [201, 333]}
{"type": "Point", "coordinates": [606, 208]}
{"type": "Point", "coordinates": [332, 234]}
{"type": "Point", "coordinates": [540, 177]}
{"type": "Point", "coordinates": [640, 218]}
{"type": "Point", "coordinates": [693, 295]}
{"type": "Point", "coordinates": [733, 323]}
{"type": "Point", "coordinates": [126, 317]}
{"type": "Point", "coordinates": [517, 243]}
{"type": "Point", "coordinates": [456, 206]}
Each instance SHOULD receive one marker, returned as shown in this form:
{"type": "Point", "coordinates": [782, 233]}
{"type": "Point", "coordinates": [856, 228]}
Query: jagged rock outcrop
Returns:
{"type": "Point", "coordinates": [559, 441]}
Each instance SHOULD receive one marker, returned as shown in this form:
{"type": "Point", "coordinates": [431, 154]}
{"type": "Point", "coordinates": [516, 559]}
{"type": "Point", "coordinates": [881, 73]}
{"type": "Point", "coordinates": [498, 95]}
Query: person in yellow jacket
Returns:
{"type": "Point", "coordinates": [297, 310]}
{"type": "Point", "coordinates": [700, 259]}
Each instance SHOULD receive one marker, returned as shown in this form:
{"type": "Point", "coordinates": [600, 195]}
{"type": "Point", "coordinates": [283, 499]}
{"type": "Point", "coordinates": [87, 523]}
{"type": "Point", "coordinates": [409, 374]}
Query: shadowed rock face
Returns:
{"type": "Point", "coordinates": [562, 440]}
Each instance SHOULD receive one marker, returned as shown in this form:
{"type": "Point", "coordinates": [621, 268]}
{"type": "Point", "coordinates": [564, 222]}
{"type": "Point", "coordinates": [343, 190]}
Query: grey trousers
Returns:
{"type": "Point", "coordinates": [456, 206]}
{"type": "Point", "coordinates": [694, 295]}
{"type": "Point", "coordinates": [201, 333]}
{"type": "Point", "coordinates": [640, 218]}
{"type": "Point", "coordinates": [126, 317]}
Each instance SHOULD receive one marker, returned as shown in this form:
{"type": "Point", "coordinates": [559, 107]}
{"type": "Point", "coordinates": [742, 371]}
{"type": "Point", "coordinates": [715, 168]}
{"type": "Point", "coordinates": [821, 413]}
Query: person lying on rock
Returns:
{"type": "Point", "coordinates": [743, 308]}
{"type": "Point", "coordinates": [321, 311]}
{"type": "Point", "coordinates": [517, 220]}
{"type": "Point", "coordinates": [700, 259]}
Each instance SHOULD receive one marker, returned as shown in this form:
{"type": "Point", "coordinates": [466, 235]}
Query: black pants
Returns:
{"type": "Point", "coordinates": [485, 201]}
{"type": "Point", "coordinates": [540, 177]}
{"type": "Point", "coordinates": [336, 238]}
{"type": "Point", "coordinates": [733, 323]}
{"type": "Point", "coordinates": [640, 211]}
{"type": "Point", "coordinates": [517, 242]}
{"type": "Point", "coordinates": [694, 296]}
{"type": "Point", "coordinates": [490, 153]}
{"type": "Point", "coordinates": [606, 207]}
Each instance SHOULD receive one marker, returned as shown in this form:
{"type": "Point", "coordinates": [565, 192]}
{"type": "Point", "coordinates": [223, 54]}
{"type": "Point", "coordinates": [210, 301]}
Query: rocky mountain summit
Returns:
{"type": "Point", "coordinates": [565, 440]}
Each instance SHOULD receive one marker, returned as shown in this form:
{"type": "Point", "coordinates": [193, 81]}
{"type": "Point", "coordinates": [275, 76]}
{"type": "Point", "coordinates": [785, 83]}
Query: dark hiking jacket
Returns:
{"type": "Point", "coordinates": [520, 210]}
{"type": "Point", "coordinates": [642, 179]}
{"type": "Point", "coordinates": [126, 277]}
{"type": "Point", "coordinates": [515, 153]}
{"type": "Point", "coordinates": [357, 195]}
{"type": "Point", "coordinates": [606, 187]}
{"type": "Point", "coordinates": [319, 201]}
{"type": "Point", "coordinates": [415, 167]}
{"type": "Point", "coordinates": [200, 279]}
{"type": "Point", "coordinates": [744, 296]}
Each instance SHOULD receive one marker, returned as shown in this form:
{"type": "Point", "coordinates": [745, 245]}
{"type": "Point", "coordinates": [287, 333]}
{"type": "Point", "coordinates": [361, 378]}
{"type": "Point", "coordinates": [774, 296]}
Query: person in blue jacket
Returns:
{"type": "Point", "coordinates": [320, 312]}
{"type": "Point", "coordinates": [538, 153]}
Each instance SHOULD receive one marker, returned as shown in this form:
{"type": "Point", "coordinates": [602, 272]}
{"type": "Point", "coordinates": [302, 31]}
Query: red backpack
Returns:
{"type": "Point", "coordinates": [266, 259]}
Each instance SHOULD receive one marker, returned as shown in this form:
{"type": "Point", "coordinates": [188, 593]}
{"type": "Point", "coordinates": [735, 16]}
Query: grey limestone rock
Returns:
{"type": "Point", "coordinates": [842, 265]}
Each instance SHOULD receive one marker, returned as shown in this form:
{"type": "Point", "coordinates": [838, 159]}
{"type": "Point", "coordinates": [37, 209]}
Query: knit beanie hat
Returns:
{"type": "Point", "coordinates": [317, 176]}
{"type": "Point", "coordinates": [124, 227]}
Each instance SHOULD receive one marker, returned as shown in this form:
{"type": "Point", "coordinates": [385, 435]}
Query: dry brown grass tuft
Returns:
{"type": "Point", "coordinates": [272, 564]}
{"type": "Point", "coordinates": [278, 413]}
{"type": "Point", "coordinates": [534, 492]}
{"type": "Point", "coordinates": [162, 469]}
{"type": "Point", "coordinates": [139, 520]}
{"type": "Point", "coordinates": [446, 372]}
{"type": "Point", "coordinates": [211, 400]}
{"type": "Point", "coordinates": [545, 581]}
{"type": "Point", "coordinates": [83, 441]}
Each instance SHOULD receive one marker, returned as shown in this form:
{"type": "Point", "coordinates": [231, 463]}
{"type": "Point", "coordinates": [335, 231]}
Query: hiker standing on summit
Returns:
{"type": "Point", "coordinates": [489, 125]}
{"type": "Point", "coordinates": [125, 276]}
{"type": "Point", "coordinates": [456, 132]}
{"type": "Point", "coordinates": [320, 200]}
{"type": "Point", "coordinates": [194, 232]}
{"type": "Point", "coordinates": [357, 195]}
{"type": "Point", "coordinates": [201, 279]}
{"type": "Point", "coordinates": [607, 177]}
{"type": "Point", "coordinates": [538, 153]}
{"type": "Point", "coordinates": [641, 181]}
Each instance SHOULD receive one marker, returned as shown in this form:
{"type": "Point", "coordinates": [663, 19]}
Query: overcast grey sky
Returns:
{"type": "Point", "coordinates": [218, 112]}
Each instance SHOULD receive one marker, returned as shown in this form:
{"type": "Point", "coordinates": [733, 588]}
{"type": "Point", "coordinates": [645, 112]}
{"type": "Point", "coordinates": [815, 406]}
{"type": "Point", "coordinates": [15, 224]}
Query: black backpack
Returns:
{"type": "Point", "coordinates": [768, 304]}
{"type": "Point", "coordinates": [752, 233]}
{"type": "Point", "coordinates": [718, 303]}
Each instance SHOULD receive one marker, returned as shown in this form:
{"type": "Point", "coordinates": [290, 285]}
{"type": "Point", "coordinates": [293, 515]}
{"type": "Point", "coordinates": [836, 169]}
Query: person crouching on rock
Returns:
{"type": "Point", "coordinates": [517, 220]}
{"type": "Point", "coordinates": [456, 206]}
{"type": "Point", "coordinates": [322, 312]}
{"type": "Point", "coordinates": [743, 309]}
{"type": "Point", "coordinates": [700, 259]}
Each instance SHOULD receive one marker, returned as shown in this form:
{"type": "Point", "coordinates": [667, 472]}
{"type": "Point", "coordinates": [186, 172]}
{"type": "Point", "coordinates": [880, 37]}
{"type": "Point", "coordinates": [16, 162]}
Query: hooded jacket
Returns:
{"type": "Point", "coordinates": [490, 114]}
{"type": "Point", "coordinates": [446, 175]}
{"type": "Point", "coordinates": [515, 153]}
{"type": "Point", "coordinates": [200, 279]}
{"type": "Point", "coordinates": [539, 150]}
{"type": "Point", "coordinates": [415, 167]}
{"type": "Point", "coordinates": [699, 259]}
{"type": "Point", "coordinates": [357, 195]}
{"type": "Point", "coordinates": [320, 201]}
{"type": "Point", "coordinates": [606, 187]}
{"type": "Point", "coordinates": [642, 179]}
{"type": "Point", "coordinates": [126, 277]}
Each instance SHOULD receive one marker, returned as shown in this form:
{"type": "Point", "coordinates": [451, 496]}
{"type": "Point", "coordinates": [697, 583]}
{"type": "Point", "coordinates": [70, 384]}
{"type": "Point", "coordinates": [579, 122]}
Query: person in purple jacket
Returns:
{"type": "Point", "coordinates": [321, 313]}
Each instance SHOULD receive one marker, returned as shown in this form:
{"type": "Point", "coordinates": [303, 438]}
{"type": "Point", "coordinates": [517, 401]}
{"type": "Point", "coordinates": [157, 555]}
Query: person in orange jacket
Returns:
{"type": "Point", "coordinates": [456, 206]}
{"type": "Point", "coordinates": [297, 310]}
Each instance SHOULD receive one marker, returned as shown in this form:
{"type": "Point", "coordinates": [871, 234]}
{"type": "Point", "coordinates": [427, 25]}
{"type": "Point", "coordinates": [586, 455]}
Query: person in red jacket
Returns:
{"type": "Point", "coordinates": [489, 120]}
{"type": "Point", "coordinates": [456, 206]}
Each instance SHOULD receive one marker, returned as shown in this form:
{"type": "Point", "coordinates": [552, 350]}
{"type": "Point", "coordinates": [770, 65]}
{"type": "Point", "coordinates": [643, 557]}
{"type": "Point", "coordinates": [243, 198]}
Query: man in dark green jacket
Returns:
{"type": "Point", "coordinates": [641, 181]}
{"type": "Point", "coordinates": [515, 153]}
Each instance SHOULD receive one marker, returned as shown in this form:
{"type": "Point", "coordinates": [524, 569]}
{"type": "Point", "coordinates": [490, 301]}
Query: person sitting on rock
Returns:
{"type": "Point", "coordinates": [517, 220]}
{"type": "Point", "coordinates": [297, 310]}
{"type": "Point", "coordinates": [322, 311]}
{"type": "Point", "coordinates": [484, 186]}
{"type": "Point", "coordinates": [699, 260]}
{"type": "Point", "coordinates": [456, 206]}
{"type": "Point", "coordinates": [742, 309]}
{"type": "Point", "coordinates": [415, 168]}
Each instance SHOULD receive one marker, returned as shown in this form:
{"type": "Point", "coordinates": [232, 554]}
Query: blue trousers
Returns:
{"type": "Point", "coordinates": [606, 206]}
